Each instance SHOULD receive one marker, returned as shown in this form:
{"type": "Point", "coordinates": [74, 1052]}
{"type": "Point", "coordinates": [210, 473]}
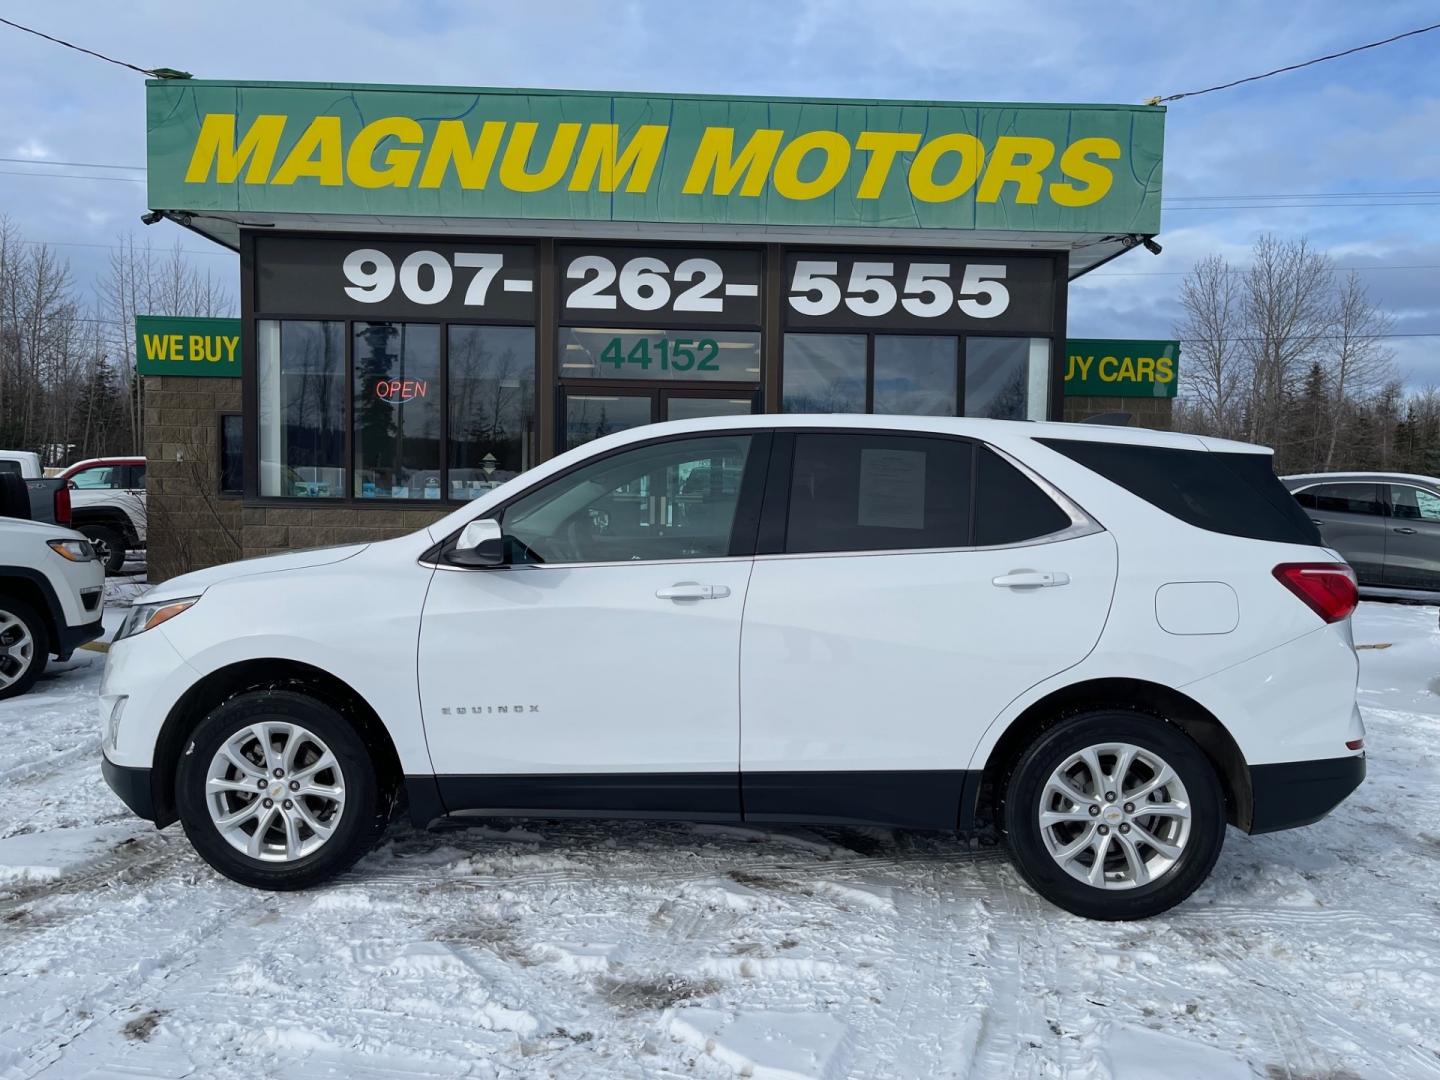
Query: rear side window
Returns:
{"type": "Point", "coordinates": [1342, 499]}
{"type": "Point", "coordinates": [1009, 507]}
{"type": "Point", "coordinates": [878, 493]}
{"type": "Point", "coordinates": [10, 467]}
{"type": "Point", "coordinates": [1235, 494]}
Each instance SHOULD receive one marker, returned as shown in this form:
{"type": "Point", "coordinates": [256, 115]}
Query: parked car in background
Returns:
{"type": "Point", "coordinates": [107, 498]}
{"type": "Point", "coordinates": [1386, 525]}
{"type": "Point", "coordinates": [25, 492]}
{"type": "Point", "coordinates": [1104, 644]}
{"type": "Point", "coordinates": [52, 590]}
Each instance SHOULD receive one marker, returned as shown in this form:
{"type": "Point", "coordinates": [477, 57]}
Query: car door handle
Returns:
{"type": "Point", "coordinates": [689, 590]}
{"type": "Point", "coordinates": [1031, 579]}
{"type": "Point", "coordinates": [1405, 530]}
{"type": "Point", "coordinates": [1316, 521]}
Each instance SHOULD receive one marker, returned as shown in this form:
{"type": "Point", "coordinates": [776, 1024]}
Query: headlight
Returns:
{"type": "Point", "coordinates": [144, 617]}
{"type": "Point", "coordinates": [74, 550]}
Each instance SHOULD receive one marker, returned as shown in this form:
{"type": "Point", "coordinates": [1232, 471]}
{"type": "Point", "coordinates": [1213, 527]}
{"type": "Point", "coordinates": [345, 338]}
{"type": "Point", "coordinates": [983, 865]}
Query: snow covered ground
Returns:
{"type": "Point", "coordinates": [640, 950]}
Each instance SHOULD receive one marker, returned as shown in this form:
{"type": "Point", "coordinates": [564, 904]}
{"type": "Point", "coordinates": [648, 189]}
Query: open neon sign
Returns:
{"type": "Point", "coordinates": [401, 390]}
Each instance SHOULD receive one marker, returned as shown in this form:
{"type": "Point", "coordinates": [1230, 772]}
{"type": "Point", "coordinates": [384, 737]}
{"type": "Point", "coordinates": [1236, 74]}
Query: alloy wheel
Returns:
{"type": "Point", "coordinates": [1115, 816]}
{"type": "Point", "coordinates": [17, 649]}
{"type": "Point", "coordinates": [275, 792]}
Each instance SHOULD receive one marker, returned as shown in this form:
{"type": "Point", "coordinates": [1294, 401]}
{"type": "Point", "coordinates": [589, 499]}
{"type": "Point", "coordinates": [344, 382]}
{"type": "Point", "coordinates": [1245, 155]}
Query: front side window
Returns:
{"type": "Point", "coordinates": [877, 493]}
{"type": "Point", "coordinates": [301, 424]}
{"type": "Point", "coordinates": [1414, 504]}
{"type": "Point", "coordinates": [397, 410]}
{"type": "Point", "coordinates": [100, 478]}
{"type": "Point", "coordinates": [670, 500]}
{"type": "Point", "coordinates": [1343, 499]}
{"type": "Point", "coordinates": [491, 387]}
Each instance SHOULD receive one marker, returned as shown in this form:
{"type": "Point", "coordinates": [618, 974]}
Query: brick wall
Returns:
{"type": "Point", "coordinates": [190, 526]}
{"type": "Point", "coordinates": [1146, 412]}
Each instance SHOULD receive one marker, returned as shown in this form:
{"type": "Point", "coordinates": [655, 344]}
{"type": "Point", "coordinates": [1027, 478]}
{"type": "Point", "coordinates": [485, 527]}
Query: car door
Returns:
{"type": "Point", "coordinates": [906, 589]}
{"type": "Point", "coordinates": [597, 672]}
{"type": "Point", "coordinates": [1351, 518]}
{"type": "Point", "coordinates": [1412, 545]}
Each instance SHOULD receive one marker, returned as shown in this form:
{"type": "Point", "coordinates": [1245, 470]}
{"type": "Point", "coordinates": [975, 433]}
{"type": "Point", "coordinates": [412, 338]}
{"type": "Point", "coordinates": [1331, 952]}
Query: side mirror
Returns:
{"type": "Point", "coordinates": [480, 544]}
{"type": "Point", "coordinates": [72, 485]}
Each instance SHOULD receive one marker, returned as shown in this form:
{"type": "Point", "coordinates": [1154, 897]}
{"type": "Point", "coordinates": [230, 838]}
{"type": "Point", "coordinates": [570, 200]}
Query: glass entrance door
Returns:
{"type": "Point", "coordinates": [590, 412]}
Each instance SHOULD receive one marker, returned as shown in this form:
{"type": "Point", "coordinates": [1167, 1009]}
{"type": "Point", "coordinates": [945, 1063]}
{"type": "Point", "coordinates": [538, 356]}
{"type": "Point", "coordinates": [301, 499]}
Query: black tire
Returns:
{"type": "Point", "coordinates": [109, 546]}
{"type": "Point", "coordinates": [34, 665]}
{"type": "Point", "coordinates": [1023, 802]}
{"type": "Point", "coordinates": [361, 820]}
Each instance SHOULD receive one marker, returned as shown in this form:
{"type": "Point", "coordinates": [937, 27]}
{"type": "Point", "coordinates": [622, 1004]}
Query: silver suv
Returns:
{"type": "Point", "coordinates": [1387, 525]}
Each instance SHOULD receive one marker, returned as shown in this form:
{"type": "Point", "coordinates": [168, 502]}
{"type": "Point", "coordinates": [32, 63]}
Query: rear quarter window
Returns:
{"type": "Point", "coordinates": [1232, 493]}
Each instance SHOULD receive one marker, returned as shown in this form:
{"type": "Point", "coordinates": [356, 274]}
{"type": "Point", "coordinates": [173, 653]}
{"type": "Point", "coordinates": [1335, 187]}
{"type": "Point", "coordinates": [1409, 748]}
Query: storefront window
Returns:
{"type": "Point", "coordinates": [397, 410]}
{"type": "Point", "coordinates": [824, 373]}
{"type": "Point", "coordinates": [232, 457]}
{"type": "Point", "coordinates": [301, 424]}
{"type": "Point", "coordinates": [491, 388]}
{"type": "Point", "coordinates": [1007, 378]}
{"type": "Point", "coordinates": [914, 375]}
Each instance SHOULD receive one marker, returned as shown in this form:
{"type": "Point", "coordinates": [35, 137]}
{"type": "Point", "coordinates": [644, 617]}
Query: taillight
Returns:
{"type": "Point", "coordinates": [1328, 589]}
{"type": "Point", "coordinates": [62, 505]}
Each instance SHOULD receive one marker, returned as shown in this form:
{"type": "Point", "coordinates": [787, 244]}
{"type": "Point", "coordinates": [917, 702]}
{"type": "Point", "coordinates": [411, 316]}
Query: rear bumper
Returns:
{"type": "Point", "coordinates": [132, 785]}
{"type": "Point", "coordinates": [1295, 793]}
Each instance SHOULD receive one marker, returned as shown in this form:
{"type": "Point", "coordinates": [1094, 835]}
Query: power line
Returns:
{"type": "Point", "coordinates": [69, 176]}
{"type": "Point", "coordinates": [1244, 270]}
{"type": "Point", "coordinates": [1293, 67]}
{"type": "Point", "coordinates": [151, 72]}
{"type": "Point", "coordinates": [119, 247]}
{"type": "Point", "coordinates": [72, 164]}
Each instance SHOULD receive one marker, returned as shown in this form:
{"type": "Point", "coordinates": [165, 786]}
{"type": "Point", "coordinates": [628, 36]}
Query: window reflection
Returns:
{"type": "Point", "coordinates": [824, 373]}
{"type": "Point", "coordinates": [397, 411]}
{"type": "Point", "coordinates": [491, 388]}
{"type": "Point", "coordinates": [301, 424]}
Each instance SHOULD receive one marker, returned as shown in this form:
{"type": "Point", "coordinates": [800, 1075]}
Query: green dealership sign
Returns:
{"type": "Point", "coordinates": [305, 148]}
{"type": "Point", "coordinates": [1113, 368]}
{"type": "Point", "coordinates": [169, 345]}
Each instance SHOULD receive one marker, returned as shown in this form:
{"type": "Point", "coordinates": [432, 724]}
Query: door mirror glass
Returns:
{"type": "Point", "coordinates": [480, 544]}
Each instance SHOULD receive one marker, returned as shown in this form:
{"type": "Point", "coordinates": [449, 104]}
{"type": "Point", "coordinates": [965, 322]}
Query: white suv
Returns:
{"type": "Point", "coordinates": [1102, 644]}
{"type": "Point", "coordinates": [52, 590]}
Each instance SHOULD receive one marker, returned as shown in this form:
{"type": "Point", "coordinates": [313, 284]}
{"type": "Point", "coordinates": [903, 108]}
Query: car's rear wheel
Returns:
{"type": "Point", "coordinates": [1114, 815]}
{"type": "Point", "coordinates": [24, 647]}
{"type": "Point", "coordinates": [109, 546]}
{"type": "Point", "coordinates": [275, 789]}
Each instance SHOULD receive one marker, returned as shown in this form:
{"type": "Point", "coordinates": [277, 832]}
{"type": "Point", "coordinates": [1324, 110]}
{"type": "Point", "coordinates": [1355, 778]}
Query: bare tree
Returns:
{"type": "Point", "coordinates": [1217, 371]}
{"type": "Point", "coordinates": [1286, 317]}
{"type": "Point", "coordinates": [1360, 363]}
{"type": "Point", "coordinates": [144, 281]}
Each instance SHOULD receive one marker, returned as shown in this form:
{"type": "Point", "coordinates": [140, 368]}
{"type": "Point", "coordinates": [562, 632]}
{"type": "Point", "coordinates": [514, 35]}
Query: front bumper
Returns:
{"type": "Point", "coordinates": [1295, 793]}
{"type": "Point", "coordinates": [69, 638]}
{"type": "Point", "coordinates": [132, 785]}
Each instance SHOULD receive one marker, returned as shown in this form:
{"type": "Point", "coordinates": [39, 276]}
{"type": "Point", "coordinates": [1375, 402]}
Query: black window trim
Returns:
{"type": "Point", "coordinates": [777, 504]}
{"type": "Point", "coordinates": [769, 500]}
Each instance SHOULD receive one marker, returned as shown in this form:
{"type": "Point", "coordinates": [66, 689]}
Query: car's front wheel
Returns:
{"type": "Point", "coordinates": [1114, 815]}
{"type": "Point", "coordinates": [277, 790]}
{"type": "Point", "coordinates": [24, 647]}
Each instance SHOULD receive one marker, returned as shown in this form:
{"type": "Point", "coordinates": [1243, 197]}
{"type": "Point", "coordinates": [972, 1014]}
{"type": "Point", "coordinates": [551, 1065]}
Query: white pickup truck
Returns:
{"type": "Point", "coordinates": [107, 496]}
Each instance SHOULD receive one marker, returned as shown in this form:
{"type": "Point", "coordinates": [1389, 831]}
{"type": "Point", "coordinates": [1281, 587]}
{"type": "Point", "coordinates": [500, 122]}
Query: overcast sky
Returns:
{"type": "Point", "coordinates": [1363, 124]}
